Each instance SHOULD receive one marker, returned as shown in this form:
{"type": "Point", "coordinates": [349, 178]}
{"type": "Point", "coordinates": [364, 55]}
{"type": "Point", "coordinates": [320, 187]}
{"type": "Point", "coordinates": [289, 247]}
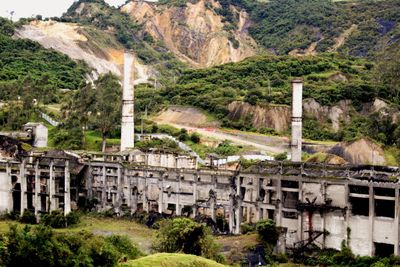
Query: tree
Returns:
{"type": "Point", "coordinates": [187, 236]}
{"type": "Point", "coordinates": [267, 231]}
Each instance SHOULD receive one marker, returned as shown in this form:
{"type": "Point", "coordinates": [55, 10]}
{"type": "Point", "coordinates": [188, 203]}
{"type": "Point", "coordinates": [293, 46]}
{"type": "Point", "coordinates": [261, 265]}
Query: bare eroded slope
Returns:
{"type": "Point", "coordinates": [195, 33]}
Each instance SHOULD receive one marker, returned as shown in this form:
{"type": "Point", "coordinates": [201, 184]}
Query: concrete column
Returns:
{"type": "Point", "coordinates": [89, 184]}
{"type": "Point", "coordinates": [248, 214]}
{"type": "Point", "coordinates": [231, 214]}
{"type": "Point", "coordinates": [371, 218]}
{"type": "Point", "coordinates": [23, 185]}
{"type": "Point", "coordinates": [119, 189]}
{"type": "Point", "coordinates": [178, 199]}
{"type": "Point", "coordinates": [239, 209]}
{"type": "Point", "coordinates": [161, 196]}
{"type": "Point", "coordinates": [278, 210]}
{"type": "Point", "coordinates": [195, 196]}
{"type": "Point", "coordinates": [36, 198]}
{"type": "Point", "coordinates": [297, 113]}
{"type": "Point", "coordinates": [213, 212]}
{"type": "Point", "coordinates": [239, 217]}
{"type": "Point", "coordinates": [10, 187]}
{"type": "Point", "coordinates": [300, 215]}
{"type": "Point", "coordinates": [67, 191]}
{"type": "Point", "coordinates": [144, 195]}
{"type": "Point", "coordinates": [127, 122]}
{"type": "Point", "coordinates": [323, 223]}
{"type": "Point", "coordinates": [104, 189]}
{"type": "Point", "coordinates": [347, 214]}
{"type": "Point", "coordinates": [51, 187]}
{"type": "Point", "coordinates": [396, 223]}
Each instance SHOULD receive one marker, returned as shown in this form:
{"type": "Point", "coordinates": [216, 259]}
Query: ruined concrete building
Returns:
{"type": "Point", "coordinates": [313, 203]}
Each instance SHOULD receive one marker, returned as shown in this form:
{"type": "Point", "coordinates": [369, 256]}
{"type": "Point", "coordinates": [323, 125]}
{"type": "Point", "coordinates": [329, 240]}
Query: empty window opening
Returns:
{"type": "Point", "coordinates": [271, 214]}
{"type": "Point", "coordinates": [359, 206]}
{"type": "Point", "coordinates": [290, 184]}
{"type": "Point", "coordinates": [289, 215]}
{"type": "Point", "coordinates": [359, 189]}
{"type": "Point", "coordinates": [262, 194]}
{"type": "Point", "coordinates": [383, 250]}
{"type": "Point", "coordinates": [384, 208]}
{"type": "Point", "coordinates": [242, 192]}
{"type": "Point", "coordinates": [290, 199]}
{"type": "Point", "coordinates": [387, 192]}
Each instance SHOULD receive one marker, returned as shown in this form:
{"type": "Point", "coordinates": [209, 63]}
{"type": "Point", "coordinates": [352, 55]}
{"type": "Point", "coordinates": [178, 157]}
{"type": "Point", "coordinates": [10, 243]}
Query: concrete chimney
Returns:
{"type": "Point", "coordinates": [297, 117]}
{"type": "Point", "coordinates": [127, 122]}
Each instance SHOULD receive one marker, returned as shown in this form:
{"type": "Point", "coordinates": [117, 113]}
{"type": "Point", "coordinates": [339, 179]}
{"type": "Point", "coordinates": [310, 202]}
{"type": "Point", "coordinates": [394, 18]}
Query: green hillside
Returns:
{"type": "Point", "coordinates": [284, 25]}
{"type": "Point", "coordinates": [27, 66]}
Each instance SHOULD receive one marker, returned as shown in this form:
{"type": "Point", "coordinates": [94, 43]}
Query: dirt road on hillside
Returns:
{"type": "Point", "coordinates": [269, 144]}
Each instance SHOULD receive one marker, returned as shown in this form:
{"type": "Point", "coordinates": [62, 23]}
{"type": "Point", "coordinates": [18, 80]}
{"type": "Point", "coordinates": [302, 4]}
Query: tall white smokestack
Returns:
{"type": "Point", "coordinates": [127, 123]}
{"type": "Point", "coordinates": [297, 115]}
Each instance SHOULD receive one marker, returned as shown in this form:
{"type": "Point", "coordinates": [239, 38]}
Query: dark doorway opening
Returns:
{"type": "Point", "coordinates": [16, 195]}
{"type": "Point", "coordinates": [383, 250]}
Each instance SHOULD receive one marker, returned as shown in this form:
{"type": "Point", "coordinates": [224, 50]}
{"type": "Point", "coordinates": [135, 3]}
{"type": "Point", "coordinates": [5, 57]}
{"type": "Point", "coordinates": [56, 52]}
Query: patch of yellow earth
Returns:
{"type": "Point", "coordinates": [64, 30]}
{"type": "Point", "coordinates": [116, 56]}
{"type": "Point", "coordinates": [342, 38]}
{"type": "Point", "coordinates": [202, 19]}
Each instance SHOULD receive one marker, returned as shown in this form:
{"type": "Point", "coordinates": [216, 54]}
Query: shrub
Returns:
{"type": "Point", "coordinates": [281, 156]}
{"type": "Point", "coordinates": [56, 220]}
{"type": "Point", "coordinates": [246, 228]}
{"type": "Point", "coordinates": [28, 217]}
{"type": "Point", "coordinates": [187, 236]}
{"type": "Point", "coordinates": [195, 138]}
{"type": "Point", "coordinates": [124, 246]}
{"type": "Point", "coordinates": [267, 231]}
{"type": "Point", "coordinates": [72, 218]}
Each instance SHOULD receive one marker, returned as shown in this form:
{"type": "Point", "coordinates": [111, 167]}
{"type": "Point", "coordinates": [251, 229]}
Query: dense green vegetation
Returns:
{"type": "Point", "coordinates": [27, 66]}
{"type": "Point", "coordinates": [41, 246]}
{"type": "Point", "coordinates": [187, 236]}
{"type": "Point", "coordinates": [289, 24]}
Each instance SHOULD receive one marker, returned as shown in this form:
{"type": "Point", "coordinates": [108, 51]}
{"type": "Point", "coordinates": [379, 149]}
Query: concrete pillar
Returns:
{"type": "Point", "coordinates": [161, 196]}
{"type": "Point", "coordinates": [178, 198]}
{"type": "Point", "coordinates": [127, 123]}
{"type": "Point", "coordinates": [104, 188]}
{"type": "Point", "coordinates": [248, 214]}
{"type": "Point", "coordinates": [195, 196]}
{"type": "Point", "coordinates": [297, 114]}
{"type": "Point", "coordinates": [278, 210]}
{"type": "Point", "coordinates": [371, 218]}
{"type": "Point", "coordinates": [119, 189]}
{"type": "Point", "coordinates": [67, 191]}
{"type": "Point", "coordinates": [396, 223]}
{"type": "Point", "coordinates": [300, 215]}
{"type": "Point", "coordinates": [144, 194]}
{"type": "Point", "coordinates": [212, 209]}
{"type": "Point", "coordinates": [51, 187]}
{"type": "Point", "coordinates": [231, 213]}
{"type": "Point", "coordinates": [89, 184]}
{"type": "Point", "coordinates": [10, 187]}
{"type": "Point", "coordinates": [323, 223]}
{"type": "Point", "coordinates": [239, 217]}
{"type": "Point", "coordinates": [22, 177]}
{"type": "Point", "coordinates": [347, 214]}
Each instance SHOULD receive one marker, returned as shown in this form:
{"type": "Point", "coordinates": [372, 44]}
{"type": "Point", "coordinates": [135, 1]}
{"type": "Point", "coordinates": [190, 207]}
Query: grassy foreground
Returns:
{"type": "Point", "coordinates": [172, 260]}
{"type": "Point", "coordinates": [139, 234]}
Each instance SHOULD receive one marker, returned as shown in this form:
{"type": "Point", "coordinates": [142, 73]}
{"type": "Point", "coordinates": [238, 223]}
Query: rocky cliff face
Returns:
{"type": "Point", "coordinates": [275, 117]}
{"type": "Point", "coordinates": [195, 33]}
{"type": "Point", "coordinates": [102, 52]}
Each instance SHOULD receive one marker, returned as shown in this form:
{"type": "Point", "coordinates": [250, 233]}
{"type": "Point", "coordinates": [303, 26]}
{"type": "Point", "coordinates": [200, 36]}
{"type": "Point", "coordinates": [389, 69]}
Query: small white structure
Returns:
{"type": "Point", "coordinates": [39, 133]}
